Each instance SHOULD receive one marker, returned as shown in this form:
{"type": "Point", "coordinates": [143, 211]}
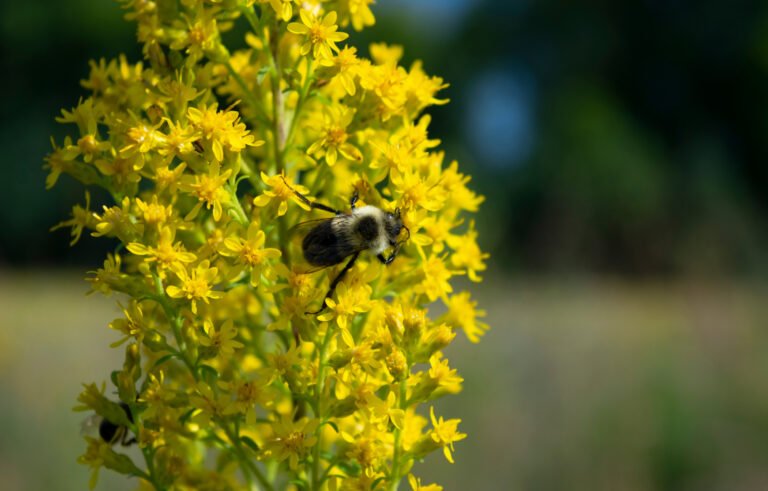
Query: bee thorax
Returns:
{"type": "Point", "coordinates": [369, 227]}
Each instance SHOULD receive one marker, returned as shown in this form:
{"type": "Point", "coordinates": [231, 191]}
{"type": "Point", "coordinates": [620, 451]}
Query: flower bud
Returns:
{"type": "Point", "coordinates": [423, 389]}
{"type": "Point", "coordinates": [434, 340]}
{"type": "Point", "coordinates": [413, 326]}
{"type": "Point", "coordinates": [397, 364]}
{"type": "Point", "coordinates": [393, 319]}
{"type": "Point", "coordinates": [344, 407]}
{"type": "Point", "coordinates": [340, 359]}
{"type": "Point", "coordinates": [155, 341]}
{"type": "Point", "coordinates": [219, 53]}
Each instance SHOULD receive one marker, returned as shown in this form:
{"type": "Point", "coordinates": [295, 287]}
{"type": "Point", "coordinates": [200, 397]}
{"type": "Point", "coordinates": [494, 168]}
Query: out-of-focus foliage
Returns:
{"type": "Point", "coordinates": [682, 84]}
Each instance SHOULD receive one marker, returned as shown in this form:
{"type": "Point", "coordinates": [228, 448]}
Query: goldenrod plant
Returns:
{"type": "Point", "coordinates": [238, 374]}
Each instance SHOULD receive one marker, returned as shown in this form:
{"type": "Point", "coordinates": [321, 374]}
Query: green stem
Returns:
{"type": "Point", "coordinates": [253, 177]}
{"type": "Point", "coordinates": [245, 463]}
{"type": "Point", "coordinates": [176, 321]}
{"type": "Point", "coordinates": [299, 104]}
{"type": "Point", "coordinates": [320, 388]}
{"type": "Point", "coordinates": [150, 474]}
{"type": "Point", "coordinates": [395, 475]}
{"type": "Point", "coordinates": [239, 215]}
{"type": "Point", "coordinates": [261, 116]}
{"type": "Point", "coordinates": [278, 107]}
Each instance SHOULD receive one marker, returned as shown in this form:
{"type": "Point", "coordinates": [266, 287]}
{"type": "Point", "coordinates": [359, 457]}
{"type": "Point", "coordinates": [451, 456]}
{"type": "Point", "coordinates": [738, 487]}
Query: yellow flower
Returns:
{"type": "Point", "coordinates": [333, 139]}
{"type": "Point", "coordinates": [206, 403]}
{"type": "Point", "coordinates": [463, 312]}
{"type": "Point", "coordinates": [220, 341]}
{"type": "Point", "coordinates": [123, 170]}
{"type": "Point", "coordinates": [421, 89]}
{"type": "Point", "coordinates": [455, 184]}
{"type": "Point", "coordinates": [250, 251]}
{"type": "Point", "coordinates": [368, 448]}
{"type": "Point", "coordinates": [436, 279]}
{"type": "Point", "coordinates": [109, 277]}
{"type": "Point", "coordinates": [320, 37]}
{"type": "Point", "coordinates": [81, 218]}
{"type": "Point", "coordinates": [116, 221]}
{"type": "Point", "coordinates": [248, 395]}
{"type": "Point", "coordinates": [169, 179]}
{"type": "Point", "coordinates": [142, 138]}
{"type": "Point", "coordinates": [417, 486]}
{"type": "Point", "coordinates": [357, 11]}
{"type": "Point", "coordinates": [88, 146]}
{"type": "Point", "coordinates": [347, 305]}
{"type": "Point", "coordinates": [222, 129]}
{"type": "Point", "coordinates": [362, 355]}
{"type": "Point", "coordinates": [155, 395]}
{"type": "Point", "coordinates": [416, 191]}
{"type": "Point", "coordinates": [436, 232]}
{"type": "Point", "coordinates": [178, 141]}
{"type": "Point", "coordinates": [345, 64]}
{"type": "Point", "coordinates": [444, 376]}
{"type": "Point", "coordinates": [197, 285]}
{"type": "Point", "coordinates": [167, 254]}
{"type": "Point", "coordinates": [467, 254]}
{"type": "Point", "coordinates": [209, 189]}
{"type": "Point", "coordinates": [283, 8]}
{"type": "Point", "coordinates": [132, 326]}
{"type": "Point", "coordinates": [84, 115]}
{"type": "Point", "coordinates": [282, 191]}
{"type": "Point", "coordinates": [196, 35]}
{"type": "Point", "coordinates": [284, 364]}
{"type": "Point", "coordinates": [292, 439]}
{"type": "Point", "coordinates": [56, 162]}
{"type": "Point", "coordinates": [445, 433]}
{"type": "Point", "coordinates": [154, 213]}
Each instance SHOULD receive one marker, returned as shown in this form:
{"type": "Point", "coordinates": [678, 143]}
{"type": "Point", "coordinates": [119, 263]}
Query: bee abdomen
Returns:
{"type": "Point", "coordinates": [323, 247]}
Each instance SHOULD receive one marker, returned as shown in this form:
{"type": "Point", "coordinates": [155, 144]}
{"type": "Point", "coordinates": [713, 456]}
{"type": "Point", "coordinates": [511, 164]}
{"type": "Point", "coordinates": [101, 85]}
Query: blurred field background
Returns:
{"type": "Point", "coordinates": [622, 149]}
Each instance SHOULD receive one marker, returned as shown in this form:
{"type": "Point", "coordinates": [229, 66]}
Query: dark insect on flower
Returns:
{"type": "Point", "coordinates": [330, 241]}
{"type": "Point", "coordinates": [112, 433]}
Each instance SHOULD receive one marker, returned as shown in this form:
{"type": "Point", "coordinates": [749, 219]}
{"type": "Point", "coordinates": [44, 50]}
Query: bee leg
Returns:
{"type": "Point", "coordinates": [313, 204]}
{"type": "Point", "coordinates": [336, 282]}
{"type": "Point", "coordinates": [386, 261]}
{"type": "Point", "coordinates": [353, 200]}
{"type": "Point", "coordinates": [127, 441]}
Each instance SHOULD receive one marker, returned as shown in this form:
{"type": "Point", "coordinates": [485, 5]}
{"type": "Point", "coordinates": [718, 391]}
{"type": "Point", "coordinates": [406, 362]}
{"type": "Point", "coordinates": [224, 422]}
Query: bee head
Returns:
{"type": "Point", "coordinates": [393, 225]}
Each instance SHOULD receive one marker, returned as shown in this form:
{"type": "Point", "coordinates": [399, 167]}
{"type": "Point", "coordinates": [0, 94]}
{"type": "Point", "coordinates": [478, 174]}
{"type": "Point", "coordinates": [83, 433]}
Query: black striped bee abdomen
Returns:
{"type": "Point", "coordinates": [324, 246]}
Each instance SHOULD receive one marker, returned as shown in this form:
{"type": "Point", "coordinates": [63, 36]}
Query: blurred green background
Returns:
{"type": "Point", "coordinates": [622, 149]}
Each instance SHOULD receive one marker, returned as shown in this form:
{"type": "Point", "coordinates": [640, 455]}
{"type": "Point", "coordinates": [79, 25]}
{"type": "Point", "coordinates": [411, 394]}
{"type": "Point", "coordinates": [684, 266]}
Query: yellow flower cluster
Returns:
{"type": "Point", "coordinates": [228, 381]}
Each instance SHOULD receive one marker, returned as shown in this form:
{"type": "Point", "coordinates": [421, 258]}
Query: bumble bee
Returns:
{"type": "Point", "coordinates": [110, 432]}
{"type": "Point", "coordinates": [346, 235]}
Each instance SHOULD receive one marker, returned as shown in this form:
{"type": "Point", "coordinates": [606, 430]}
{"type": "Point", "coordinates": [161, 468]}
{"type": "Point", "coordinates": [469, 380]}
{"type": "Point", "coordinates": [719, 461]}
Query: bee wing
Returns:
{"type": "Point", "coordinates": [90, 425]}
{"type": "Point", "coordinates": [304, 268]}
{"type": "Point", "coordinates": [302, 228]}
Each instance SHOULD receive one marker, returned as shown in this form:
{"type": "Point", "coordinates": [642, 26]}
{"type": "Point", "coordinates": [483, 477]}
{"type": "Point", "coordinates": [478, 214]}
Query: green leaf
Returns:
{"type": "Point", "coordinates": [263, 72]}
{"type": "Point", "coordinates": [376, 483]}
{"type": "Point", "coordinates": [298, 482]}
{"type": "Point", "coordinates": [163, 359]}
{"type": "Point", "coordinates": [332, 425]}
{"type": "Point", "coordinates": [208, 373]}
{"type": "Point", "coordinates": [121, 463]}
{"type": "Point", "coordinates": [250, 443]}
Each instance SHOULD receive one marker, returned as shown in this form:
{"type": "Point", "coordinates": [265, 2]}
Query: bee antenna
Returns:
{"type": "Point", "coordinates": [409, 233]}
